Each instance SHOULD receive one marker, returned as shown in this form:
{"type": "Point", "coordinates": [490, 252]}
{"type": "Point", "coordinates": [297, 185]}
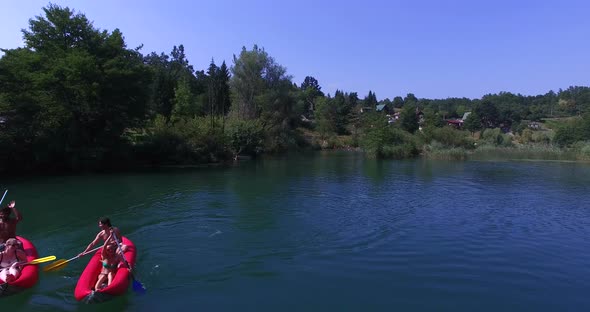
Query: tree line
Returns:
{"type": "Point", "coordinates": [76, 97]}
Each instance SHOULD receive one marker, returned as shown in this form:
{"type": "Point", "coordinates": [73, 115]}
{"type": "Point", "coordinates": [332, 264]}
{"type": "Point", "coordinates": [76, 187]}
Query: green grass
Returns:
{"type": "Point", "coordinates": [523, 152]}
{"type": "Point", "coordinates": [558, 122]}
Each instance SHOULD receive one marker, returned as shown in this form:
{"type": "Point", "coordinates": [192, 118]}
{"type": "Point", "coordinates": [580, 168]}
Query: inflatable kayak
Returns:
{"type": "Point", "coordinates": [85, 287]}
{"type": "Point", "coordinates": [29, 273]}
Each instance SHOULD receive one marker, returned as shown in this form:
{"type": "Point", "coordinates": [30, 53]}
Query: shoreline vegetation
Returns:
{"type": "Point", "coordinates": [515, 151]}
{"type": "Point", "coordinates": [76, 98]}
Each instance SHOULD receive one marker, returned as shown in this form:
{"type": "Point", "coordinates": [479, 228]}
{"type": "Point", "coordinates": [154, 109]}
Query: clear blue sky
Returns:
{"type": "Point", "coordinates": [434, 49]}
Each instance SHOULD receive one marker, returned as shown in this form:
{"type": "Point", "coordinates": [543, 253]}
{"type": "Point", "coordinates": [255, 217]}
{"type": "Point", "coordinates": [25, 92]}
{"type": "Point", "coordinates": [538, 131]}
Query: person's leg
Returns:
{"type": "Point", "coordinates": [101, 278]}
{"type": "Point", "coordinates": [111, 277]}
{"type": "Point", "coordinates": [13, 274]}
{"type": "Point", "coordinates": [3, 273]}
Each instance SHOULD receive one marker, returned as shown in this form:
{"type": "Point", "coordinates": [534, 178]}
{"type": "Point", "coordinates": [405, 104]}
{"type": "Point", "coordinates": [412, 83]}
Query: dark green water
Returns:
{"type": "Point", "coordinates": [330, 231]}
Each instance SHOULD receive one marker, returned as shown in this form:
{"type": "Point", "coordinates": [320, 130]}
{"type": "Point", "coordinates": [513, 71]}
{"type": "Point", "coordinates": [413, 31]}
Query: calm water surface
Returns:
{"type": "Point", "coordinates": [328, 231]}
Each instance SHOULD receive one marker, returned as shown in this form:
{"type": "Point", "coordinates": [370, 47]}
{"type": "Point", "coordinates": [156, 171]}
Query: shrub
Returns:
{"type": "Point", "coordinates": [383, 141]}
{"type": "Point", "coordinates": [496, 137]}
{"type": "Point", "coordinates": [582, 150]}
{"type": "Point", "coordinates": [448, 137]}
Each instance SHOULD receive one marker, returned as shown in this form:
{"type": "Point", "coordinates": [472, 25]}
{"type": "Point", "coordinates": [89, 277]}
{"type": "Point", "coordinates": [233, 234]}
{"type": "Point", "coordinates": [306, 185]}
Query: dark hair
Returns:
{"type": "Point", "coordinates": [106, 221]}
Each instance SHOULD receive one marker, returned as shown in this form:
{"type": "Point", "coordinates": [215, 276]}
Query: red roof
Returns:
{"type": "Point", "coordinates": [455, 121]}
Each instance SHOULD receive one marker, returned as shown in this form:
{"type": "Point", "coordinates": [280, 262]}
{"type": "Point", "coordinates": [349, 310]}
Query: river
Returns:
{"type": "Point", "coordinates": [326, 231]}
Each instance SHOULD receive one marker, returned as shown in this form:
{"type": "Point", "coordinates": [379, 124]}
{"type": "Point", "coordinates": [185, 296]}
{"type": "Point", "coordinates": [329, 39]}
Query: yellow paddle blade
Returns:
{"type": "Point", "coordinates": [56, 265]}
{"type": "Point", "coordinates": [41, 260]}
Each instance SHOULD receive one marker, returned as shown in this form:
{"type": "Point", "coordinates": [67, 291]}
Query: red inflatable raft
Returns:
{"type": "Point", "coordinates": [84, 288]}
{"type": "Point", "coordinates": [29, 273]}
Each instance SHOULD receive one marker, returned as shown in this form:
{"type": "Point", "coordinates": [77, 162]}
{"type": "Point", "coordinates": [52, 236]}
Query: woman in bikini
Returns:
{"type": "Point", "coordinates": [10, 261]}
{"type": "Point", "coordinates": [110, 263]}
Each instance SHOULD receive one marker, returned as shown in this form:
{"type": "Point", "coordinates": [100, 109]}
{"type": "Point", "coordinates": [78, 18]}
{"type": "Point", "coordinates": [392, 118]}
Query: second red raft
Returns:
{"type": "Point", "coordinates": [28, 275]}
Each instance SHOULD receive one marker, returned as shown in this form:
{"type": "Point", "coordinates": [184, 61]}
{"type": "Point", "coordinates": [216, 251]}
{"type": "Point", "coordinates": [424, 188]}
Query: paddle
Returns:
{"type": "Point", "coordinates": [3, 197]}
{"type": "Point", "coordinates": [1, 200]}
{"type": "Point", "coordinates": [136, 285]}
{"type": "Point", "coordinates": [35, 261]}
{"type": "Point", "coordinates": [59, 264]}
{"type": "Point", "coordinates": [40, 260]}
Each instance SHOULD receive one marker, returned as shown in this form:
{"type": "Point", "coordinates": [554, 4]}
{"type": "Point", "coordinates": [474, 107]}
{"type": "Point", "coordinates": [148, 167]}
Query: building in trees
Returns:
{"type": "Point", "coordinates": [458, 123]}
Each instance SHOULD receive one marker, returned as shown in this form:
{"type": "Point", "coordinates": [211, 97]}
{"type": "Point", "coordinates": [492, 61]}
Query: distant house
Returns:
{"type": "Point", "coordinates": [383, 108]}
{"type": "Point", "coordinates": [393, 118]}
{"type": "Point", "coordinates": [420, 116]}
{"type": "Point", "coordinates": [366, 109]}
{"type": "Point", "coordinates": [458, 123]}
{"type": "Point", "coordinates": [535, 125]}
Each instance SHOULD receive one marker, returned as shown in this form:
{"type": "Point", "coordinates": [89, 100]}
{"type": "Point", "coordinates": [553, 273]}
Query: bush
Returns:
{"type": "Point", "coordinates": [519, 127]}
{"type": "Point", "coordinates": [448, 137]}
{"type": "Point", "coordinates": [582, 150]}
{"type": "Point", "coordinates": [406, 150]}
{"type": "Point", "coordinates": [245, 137]}
{"type": "Point", "coordinates": [496, 137]}
{"type": "Point", "coordinates": [573, 131]}
{"type": "Point", "coordinates": [186, 140]}
{"type": "Point", "coordinates": [384, 141]}
{"type": "Point", "coordinates": [530, 136]}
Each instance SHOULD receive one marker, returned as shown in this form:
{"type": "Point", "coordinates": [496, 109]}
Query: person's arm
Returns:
{"type": "Point", "coordinates": [21, 258]}
{"type": "Point", "coordinates": [94, 242]}
{"type": "Point", "coordinates": [17, 213]}
{"type": "Point", "coordinates": [103, 252]}
{"type": "Point", "coordinates": [122, 262]}
{"type": "Point", "coordinates": [21, 255]}
{"type": "Point", "coordinates": [116, 232]}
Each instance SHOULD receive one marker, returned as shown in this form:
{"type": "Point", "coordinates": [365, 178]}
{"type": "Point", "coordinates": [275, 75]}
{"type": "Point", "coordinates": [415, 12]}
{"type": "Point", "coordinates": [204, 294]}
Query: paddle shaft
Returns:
{"type": "Point", "coordinates": [3, 197]}
{"type": "Point", "coordinates": [76, 257]}
{"type": "Point", "coordinates": [62, 262]}
{"type": "Point", "coordinates": [136, 285]}
{"type": "Point", "coordinates": [121, 249]}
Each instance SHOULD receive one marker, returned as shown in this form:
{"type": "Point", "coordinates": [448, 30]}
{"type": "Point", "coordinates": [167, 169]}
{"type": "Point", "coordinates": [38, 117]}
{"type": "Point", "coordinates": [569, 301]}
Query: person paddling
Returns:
{"type": "Point", "coordinates": [8, 224]}
{"type": "Point", "coordinates": [106, 229]}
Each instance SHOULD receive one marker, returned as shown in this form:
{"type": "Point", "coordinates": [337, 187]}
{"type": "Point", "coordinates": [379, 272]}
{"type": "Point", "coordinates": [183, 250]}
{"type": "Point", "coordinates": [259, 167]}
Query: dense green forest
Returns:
{"type": "Point", "coordinates": [77, 98]}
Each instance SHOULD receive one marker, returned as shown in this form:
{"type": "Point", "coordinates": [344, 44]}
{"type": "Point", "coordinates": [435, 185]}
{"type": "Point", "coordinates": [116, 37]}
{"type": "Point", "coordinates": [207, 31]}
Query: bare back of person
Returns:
{"type": "Point", "coordinates": [7, 230]}
{"type": "Point", "coordinates": [8, 224]}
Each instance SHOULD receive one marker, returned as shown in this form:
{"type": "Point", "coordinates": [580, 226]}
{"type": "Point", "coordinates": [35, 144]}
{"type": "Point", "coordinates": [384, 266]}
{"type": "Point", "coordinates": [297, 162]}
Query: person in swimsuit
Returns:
{"type": "Point", "coordinates": [10, 261]}
{"type": "Point", "coordinates": [110, 261]}
{"type": "Point", "coordinates": [106, 229]}
{"type": "Point", "coordinates": [7, 224]}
